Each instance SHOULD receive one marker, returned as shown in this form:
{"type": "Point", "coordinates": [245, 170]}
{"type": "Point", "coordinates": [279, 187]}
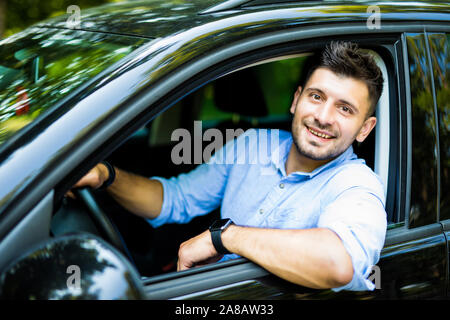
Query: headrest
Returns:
{"type": "Point", "coordinates": [241, 93]}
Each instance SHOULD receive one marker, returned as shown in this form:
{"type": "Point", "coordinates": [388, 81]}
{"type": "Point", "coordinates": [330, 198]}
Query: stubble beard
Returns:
{"type": "Point", "coordinates": [302, 150]}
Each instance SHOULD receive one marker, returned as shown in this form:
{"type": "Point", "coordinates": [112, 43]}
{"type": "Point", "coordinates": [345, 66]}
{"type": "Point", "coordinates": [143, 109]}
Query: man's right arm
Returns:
{"type": "Point", "coordinates": [188, 195]}
{"type": "Point", "coordinates": [137, 194]}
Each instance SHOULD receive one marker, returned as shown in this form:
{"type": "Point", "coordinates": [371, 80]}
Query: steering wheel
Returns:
{"type": "Point", "coordinates": [101, 220]}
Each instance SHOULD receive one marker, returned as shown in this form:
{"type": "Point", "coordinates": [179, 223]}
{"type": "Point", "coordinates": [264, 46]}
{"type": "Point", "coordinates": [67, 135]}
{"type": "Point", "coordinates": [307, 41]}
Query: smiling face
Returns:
{"type": "Point", "coordinates": [329, 114]}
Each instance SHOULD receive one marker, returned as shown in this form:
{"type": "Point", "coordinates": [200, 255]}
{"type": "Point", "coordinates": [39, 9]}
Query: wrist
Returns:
{"type": "Point", "coordinates": [229, 237]}
{"type": "Point", "coordinates": [217, 229]}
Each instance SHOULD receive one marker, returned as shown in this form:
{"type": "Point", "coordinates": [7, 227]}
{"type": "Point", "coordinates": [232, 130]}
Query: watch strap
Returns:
{"type": "Point", "coordinates": [111, 175]}
{"type": "Point", "coordinates": [216, 237]}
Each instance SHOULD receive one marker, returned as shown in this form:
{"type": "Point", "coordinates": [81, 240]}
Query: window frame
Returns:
{"type": "Point", "coordinates": [158, 286]}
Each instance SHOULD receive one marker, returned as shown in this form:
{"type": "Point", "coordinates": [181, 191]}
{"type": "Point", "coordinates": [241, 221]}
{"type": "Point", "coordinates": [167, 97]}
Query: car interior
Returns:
{"type": "Point", "coordinates": [258, 96]}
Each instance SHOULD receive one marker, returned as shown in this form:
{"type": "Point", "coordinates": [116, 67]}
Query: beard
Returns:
{"type": "Point", "coordinates": [306, 148]}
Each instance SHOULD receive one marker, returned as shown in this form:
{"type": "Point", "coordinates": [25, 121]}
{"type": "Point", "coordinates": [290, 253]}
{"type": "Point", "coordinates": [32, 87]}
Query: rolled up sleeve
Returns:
{"type": "Point", "coordinates": [359, 219]}
{"type": "Point", "coordinates": [189, 195]}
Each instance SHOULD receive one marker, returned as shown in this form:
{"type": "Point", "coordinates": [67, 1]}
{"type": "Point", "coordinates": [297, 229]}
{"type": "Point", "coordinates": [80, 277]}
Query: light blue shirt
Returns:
{"type": "Point", "coordinates": [247, 178]}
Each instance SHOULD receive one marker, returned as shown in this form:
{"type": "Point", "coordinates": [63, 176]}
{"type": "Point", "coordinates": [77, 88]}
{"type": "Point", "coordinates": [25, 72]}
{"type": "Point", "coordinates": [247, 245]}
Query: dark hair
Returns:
{"type": "Point", "coordinates": [346, 59]}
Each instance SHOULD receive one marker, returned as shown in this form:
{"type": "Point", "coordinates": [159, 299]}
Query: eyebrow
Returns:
{"type": "Point", "coordinates": [340, 100]}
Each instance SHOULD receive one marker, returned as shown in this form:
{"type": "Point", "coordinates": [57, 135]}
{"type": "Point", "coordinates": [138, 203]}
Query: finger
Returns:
{"type": "Point", "coordinates": [209, 261]}
{"type": "Point", "coordinates": [79, 183]}
{"type": "Point", "coordinates": [84, 181]}
{"type": "Point", "coordinates": [70, 195]}
{"type": "Point", "coordinates": [182, 266]}
{"type": "Point", "coordinates": [90, 179]}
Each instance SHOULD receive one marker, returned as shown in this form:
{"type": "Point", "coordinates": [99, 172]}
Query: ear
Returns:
{"type": "Point", "coordinates": [367, 127]}
{"type": "Point", "coordinates": [297, 95]}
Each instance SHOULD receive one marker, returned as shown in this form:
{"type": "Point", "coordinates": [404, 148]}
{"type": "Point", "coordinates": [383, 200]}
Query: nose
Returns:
{"type": "Point", "coordinates": [324, 114]}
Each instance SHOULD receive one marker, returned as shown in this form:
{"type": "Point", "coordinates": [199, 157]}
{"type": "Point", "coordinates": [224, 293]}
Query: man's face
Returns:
{"type": "Point", "coordinates": [329, 114]}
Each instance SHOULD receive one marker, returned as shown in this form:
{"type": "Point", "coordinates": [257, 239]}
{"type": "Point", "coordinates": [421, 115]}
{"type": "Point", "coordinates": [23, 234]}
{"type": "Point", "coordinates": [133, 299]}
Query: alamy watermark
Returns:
{"type": "Point", "coordinates": [189, 150]}
{"type": "Point", "coordinates": [74, 280]}
{"type": "Point", "coordinates": [74, 20]}
{"type": "Point", "coordinates": [375, 276]}
{"type": "Point", "coordinates": [374, 21]}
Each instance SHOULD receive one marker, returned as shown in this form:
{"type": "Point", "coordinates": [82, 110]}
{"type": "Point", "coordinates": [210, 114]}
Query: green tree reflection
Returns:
{"type": "Point", "coordinates": [441, 63]}
{"type": "Point", "coordinates": [424, 151]}
{"type": "Point", "coordinates": [16, 15]}
{"type": "Point", "coordinates": [39, 67]}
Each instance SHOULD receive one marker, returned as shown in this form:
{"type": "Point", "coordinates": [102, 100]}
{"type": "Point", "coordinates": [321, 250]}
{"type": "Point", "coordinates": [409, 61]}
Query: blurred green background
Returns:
{"type": "Point", "coordinates": [16, 15]}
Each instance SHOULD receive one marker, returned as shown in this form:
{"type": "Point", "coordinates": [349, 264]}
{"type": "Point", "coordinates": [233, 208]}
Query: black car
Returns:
{"type": "Point", "coordinates": [116, 86]}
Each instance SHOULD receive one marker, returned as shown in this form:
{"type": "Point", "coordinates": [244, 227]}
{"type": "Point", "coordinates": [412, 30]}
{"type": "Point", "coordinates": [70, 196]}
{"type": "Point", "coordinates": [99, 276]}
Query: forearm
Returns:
{"type": "Point", "coordinates": [315, 258]}
{"type": "Point", "coordinates": [139, 195]}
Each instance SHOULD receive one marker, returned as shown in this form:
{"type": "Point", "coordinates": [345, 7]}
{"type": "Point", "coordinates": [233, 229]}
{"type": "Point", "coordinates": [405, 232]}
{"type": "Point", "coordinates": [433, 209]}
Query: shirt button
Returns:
{"type": "Point", "coordinates": [261, 211]}
{"type": "Point", "coordinates": [281, 185]}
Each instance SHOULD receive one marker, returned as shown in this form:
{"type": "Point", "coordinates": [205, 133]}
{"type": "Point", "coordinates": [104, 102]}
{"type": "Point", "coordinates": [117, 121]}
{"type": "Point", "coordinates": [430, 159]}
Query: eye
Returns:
{"type": "Point", "coordinates": [346, 109]}
{"type": "Point", "coordinates": [315, 96]}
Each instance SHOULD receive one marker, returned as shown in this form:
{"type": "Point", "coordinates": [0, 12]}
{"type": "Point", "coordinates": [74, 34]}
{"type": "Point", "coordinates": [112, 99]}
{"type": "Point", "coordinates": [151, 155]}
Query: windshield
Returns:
{"type": "Point", "coordinates": [38, 67]}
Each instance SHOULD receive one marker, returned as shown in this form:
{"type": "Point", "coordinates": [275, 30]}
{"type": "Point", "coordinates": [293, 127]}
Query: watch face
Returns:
{"type": "Point", "coordinates": [220, 224]}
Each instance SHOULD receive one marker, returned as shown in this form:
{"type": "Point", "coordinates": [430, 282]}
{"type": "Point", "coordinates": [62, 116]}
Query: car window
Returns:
{"type": "Point", "coordinates": [39, 67]}
{"type": "Point", "coordinates": [258, 96]}
{"type": "Point", "coordinates": [424, 160]}
{"type": "Point", "coordinates": [441, 64]}
{"type": "Point", "coordinates": [274, 81]}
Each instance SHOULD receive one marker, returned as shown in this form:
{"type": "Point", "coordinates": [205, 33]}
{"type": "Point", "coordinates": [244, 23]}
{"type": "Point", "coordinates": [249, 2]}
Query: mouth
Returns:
{"type": "Point", "coordinates": [320, 134]}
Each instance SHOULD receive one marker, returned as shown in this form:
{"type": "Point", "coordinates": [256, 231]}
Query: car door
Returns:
{"type": "Point", "coordinates": [413, 262]}
{"type": "Point", "coordinates": [440, 58]}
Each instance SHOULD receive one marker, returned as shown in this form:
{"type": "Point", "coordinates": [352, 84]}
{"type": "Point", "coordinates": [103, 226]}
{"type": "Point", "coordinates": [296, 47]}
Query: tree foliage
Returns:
{"type": "Point", "coordinates": [19, 14]}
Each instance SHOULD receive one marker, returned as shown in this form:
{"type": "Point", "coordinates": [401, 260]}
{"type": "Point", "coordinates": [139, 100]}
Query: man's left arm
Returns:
{"type": "Point", "coordinates": [337, 254]}
{"type": "Point", "coordinates": [315, 258]}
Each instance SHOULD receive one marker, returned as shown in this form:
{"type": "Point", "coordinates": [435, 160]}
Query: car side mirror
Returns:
{"type": "Point", "coordinates": [77, 266]}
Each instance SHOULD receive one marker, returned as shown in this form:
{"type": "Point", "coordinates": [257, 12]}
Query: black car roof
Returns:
{"type": "Point", "coordinates": [160, 18]}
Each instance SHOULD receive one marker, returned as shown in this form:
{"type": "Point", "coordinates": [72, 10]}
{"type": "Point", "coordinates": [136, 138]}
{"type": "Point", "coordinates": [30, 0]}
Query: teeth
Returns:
{"type": "Point", "coordinates": [322, 135]}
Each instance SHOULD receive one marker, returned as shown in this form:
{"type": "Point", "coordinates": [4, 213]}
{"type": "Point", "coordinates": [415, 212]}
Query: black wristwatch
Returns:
{"type": "Point", "coordinates": [111, 175]}
{"type": "Point", "coordinates": [216, 230]}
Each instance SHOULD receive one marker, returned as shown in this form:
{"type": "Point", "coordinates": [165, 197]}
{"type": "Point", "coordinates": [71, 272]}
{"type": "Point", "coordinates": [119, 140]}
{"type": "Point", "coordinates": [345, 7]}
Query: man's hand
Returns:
{"type": "Point", "coordinates": [94, 178]}
{"type": "Point", "coordinates": [197, 251]}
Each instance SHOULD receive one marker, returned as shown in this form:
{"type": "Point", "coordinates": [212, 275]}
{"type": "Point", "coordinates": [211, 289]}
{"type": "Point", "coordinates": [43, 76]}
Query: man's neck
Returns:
{"type": "Point", "coordinates": [298, 162]}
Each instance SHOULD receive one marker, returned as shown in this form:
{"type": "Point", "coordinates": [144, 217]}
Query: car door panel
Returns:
{"type": "Point", "coordinates": [35, 227]}
{"type": "Point", "coordinates": [412, 266]}
{"type": "Point", "coordinates": [439, 60]}
{"type": "Point", "coordinates": [418, 242]}
{"type": "Point", "coordinates": [200, 279]}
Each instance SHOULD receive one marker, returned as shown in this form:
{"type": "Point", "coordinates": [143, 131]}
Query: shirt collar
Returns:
{"type": "Point", "coordinates": [280, 155]}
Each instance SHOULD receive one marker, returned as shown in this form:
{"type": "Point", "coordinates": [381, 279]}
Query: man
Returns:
{"type": "Point", "coordinates": [310, 212]}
